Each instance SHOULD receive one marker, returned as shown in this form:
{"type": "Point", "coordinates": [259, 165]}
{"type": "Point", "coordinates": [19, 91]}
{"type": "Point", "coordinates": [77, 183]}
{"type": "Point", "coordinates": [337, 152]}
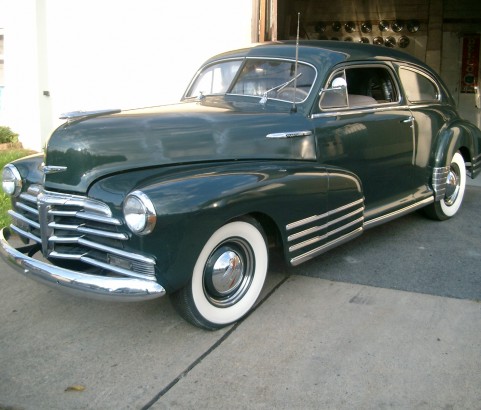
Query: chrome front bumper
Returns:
{"type": "Point", "coordinates": [92, 286]}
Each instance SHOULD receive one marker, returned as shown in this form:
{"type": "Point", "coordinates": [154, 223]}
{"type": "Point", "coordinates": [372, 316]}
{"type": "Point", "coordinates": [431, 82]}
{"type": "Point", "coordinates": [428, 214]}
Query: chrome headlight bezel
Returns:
{"type": "Point", "coordinates": [139, 213]}
{"type": "Point", "coordinates": [11, 180]}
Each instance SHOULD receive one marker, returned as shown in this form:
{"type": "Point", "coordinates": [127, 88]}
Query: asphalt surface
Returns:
{"type": "Point", "coordinates": [390, 320]}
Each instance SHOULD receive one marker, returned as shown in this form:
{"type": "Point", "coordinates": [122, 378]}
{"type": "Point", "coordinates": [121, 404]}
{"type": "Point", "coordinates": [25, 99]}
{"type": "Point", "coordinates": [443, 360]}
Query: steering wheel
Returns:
{"type": "Point", "coordinates": [289, 92]}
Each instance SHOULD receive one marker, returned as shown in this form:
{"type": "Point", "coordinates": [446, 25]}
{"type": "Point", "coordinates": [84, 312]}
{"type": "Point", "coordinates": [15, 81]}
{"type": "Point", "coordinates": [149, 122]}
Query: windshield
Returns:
{"type": "Point", "coordinates": [272, 79]}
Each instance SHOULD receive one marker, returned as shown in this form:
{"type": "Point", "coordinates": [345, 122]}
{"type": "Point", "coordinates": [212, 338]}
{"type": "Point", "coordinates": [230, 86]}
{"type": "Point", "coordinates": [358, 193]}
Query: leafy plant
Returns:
{"type": "Point", "coordinates": [6, 157]}
{"type": "Point", "coordinates": [7, 135]}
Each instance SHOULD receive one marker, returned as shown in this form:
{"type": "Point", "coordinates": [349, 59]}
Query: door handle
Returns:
{"type": "Point", "coordinates": [408, 120]}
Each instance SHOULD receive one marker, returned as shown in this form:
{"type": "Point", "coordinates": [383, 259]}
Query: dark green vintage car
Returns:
{"type": "Point", "coordinates": [265, 152]}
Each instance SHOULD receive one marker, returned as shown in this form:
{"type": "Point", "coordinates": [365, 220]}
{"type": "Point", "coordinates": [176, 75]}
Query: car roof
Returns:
{"type": "Point", "coordinates": [320, 52]}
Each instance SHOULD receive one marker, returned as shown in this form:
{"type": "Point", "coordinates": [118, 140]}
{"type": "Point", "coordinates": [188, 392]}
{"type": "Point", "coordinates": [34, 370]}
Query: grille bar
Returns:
{"type": "Point", "coordinates": [89, 231]}
{"type": "Point", "coordinates": [77, 228]}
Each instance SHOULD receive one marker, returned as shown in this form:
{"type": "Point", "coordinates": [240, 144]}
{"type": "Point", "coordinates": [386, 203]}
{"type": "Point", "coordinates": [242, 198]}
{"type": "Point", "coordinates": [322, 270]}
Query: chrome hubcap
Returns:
{"type": "Point", "coordinates": [452, 186]}
{"type": "Point", "coordinates": [228, 272]}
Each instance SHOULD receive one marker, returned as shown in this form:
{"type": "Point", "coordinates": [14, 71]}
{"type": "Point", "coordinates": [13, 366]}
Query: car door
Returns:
{"type": "Point", "coordinates": [370, 134]}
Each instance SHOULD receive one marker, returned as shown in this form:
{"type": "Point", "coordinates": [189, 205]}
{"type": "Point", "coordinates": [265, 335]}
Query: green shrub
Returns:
{"type": "Point", "coordinates": [7, 135]}
{"type": "Point", "coordinates": [6, 157]}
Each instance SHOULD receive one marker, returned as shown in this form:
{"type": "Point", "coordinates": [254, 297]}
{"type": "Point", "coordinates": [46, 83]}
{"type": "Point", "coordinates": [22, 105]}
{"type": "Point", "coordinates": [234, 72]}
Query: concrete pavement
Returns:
{"type": "Point", "coordinates": [311, 343]}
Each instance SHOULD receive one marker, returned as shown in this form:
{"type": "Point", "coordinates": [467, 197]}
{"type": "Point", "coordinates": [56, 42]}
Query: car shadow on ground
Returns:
{"type": "Point", "coordinates": [412, 253]}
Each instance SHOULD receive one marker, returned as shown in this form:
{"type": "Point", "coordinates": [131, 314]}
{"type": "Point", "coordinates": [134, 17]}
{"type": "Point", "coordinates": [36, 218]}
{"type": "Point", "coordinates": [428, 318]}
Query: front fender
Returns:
{"type": "Point", "coordinates": [192, 202]}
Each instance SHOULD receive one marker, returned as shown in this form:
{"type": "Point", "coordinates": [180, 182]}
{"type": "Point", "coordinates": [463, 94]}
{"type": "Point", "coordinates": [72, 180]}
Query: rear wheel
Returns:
{"type": "Point", "coordinates": [228, 276]}
{"type": "Point", "coordinates": [455, 187]}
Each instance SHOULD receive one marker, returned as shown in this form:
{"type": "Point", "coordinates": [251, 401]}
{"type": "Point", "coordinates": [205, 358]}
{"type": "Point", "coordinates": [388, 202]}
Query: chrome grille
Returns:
{"type": "Point", "coordinates": [76, 228]}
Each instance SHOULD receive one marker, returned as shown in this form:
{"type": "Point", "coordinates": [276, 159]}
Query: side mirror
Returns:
{"type": "Point", "coordinates": [334, 97]}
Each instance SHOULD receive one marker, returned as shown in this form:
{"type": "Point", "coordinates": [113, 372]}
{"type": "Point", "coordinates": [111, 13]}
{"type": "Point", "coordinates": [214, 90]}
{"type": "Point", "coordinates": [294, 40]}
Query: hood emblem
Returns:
{"type": "Point", "coordinates": [52, 169]}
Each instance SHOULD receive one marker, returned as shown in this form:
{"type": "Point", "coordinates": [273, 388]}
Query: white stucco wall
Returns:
{"type": "Point", "coordinates": [107, 54]}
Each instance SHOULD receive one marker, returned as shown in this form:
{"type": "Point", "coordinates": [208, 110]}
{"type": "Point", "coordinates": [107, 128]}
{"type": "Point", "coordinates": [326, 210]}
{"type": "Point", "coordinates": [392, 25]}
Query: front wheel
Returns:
{"type": "Point", "coordinates": [455, 187]}
{"type": "Point", "coordinates": [228, 277]}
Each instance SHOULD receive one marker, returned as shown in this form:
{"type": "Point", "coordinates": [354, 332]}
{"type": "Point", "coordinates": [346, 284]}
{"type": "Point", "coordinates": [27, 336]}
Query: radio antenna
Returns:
{"type": "Point", "coordinates": [294, 107]}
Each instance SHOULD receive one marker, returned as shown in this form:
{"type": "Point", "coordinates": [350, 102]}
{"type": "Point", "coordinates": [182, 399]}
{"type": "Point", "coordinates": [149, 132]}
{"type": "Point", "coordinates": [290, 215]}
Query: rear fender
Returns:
{"type": "Point", "coordinates": [459, 136]}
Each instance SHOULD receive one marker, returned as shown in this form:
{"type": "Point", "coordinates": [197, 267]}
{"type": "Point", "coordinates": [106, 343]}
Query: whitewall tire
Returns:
{"type": "Point", "coordinates": [227, 278]}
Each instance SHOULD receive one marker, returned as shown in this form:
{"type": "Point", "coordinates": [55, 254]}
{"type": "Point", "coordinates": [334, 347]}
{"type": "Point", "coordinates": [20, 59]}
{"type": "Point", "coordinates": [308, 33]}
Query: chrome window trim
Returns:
{"type": "Point", "coordinates": [202, 68]}
{"type": "Point", "coordinates": [243, 60]}
{"type": "Point", "coordinates": [278, 59]}
{"type": "Point", "coordinates": [420, 71]}
{"type": "Point", "coordinates": [367, 110]}
{"type": "Point", "coordinates": [352, 110]}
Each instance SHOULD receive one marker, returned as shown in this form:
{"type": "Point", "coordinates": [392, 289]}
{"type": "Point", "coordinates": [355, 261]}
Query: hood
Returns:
{"type": "Point", "coordinates": [214, 130]}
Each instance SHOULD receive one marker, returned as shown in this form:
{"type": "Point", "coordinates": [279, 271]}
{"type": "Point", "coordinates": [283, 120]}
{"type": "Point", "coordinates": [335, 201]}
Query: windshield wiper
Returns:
{"type": "Point", "coordinates": [279, 87]}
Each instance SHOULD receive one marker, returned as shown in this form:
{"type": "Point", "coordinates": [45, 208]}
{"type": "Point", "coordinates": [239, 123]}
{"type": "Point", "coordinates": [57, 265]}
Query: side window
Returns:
{"type": "Point", "coordinates": [370, 86]}
{"type": "Point", "coordinates": [418, 87]}
{"type": "Point", "coordinates": [367, 86]}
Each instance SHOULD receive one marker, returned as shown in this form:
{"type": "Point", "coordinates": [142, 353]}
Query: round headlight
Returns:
{"type": "Point", "coordinates": [11, 180]}
{"type": "Point", "coordinates": [139, 213]}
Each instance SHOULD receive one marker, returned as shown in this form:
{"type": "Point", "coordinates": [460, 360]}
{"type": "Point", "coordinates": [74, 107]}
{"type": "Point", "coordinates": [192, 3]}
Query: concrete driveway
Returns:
{"type": "Point", "coordinates": [391, 320]}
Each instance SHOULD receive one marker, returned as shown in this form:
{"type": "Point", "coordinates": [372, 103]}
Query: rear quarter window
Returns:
{"type": "Point", "coordinates": [419, 88]}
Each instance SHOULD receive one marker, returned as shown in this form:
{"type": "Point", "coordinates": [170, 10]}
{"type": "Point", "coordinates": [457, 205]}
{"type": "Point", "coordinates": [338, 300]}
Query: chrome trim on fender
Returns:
{"type": "Point", "coordinates": [86, 285]}
{"type": "Point", "coordinates": [314, 218]}
{"type": "Point", "coordinates": [51, 169]}
{"type": "Point", "coordinates": [440, 175]}
{"type": "Point", "coordinates": [347, 224]}
{"type": "Point", "coordinates": [476, 164]}
{"type": "Point", "coordinates": [291, 134]}
{"type": "Point", "coordinates": [326, 247]}
{"type": "Point", "coordinates": [396, 214]}
{"type": "Point", "coordinates": [79, 115]}
{"type": "Point", "coordinates": [327, 235]}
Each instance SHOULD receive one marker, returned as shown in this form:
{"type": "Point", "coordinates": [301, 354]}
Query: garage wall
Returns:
{"type": "Point", "coordinates": [65, 55]}
{"type": "Point", "coordinates": [437, 42]}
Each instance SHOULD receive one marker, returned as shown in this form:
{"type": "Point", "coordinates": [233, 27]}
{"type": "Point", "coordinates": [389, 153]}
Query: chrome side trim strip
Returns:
{"type": "Point", "coordinates": [396, 214]}
{"type": "Point", "coordinates": [327, 235]}
{"type": "Point", "coordinates": [326, 247]}
{"type": "Point", "coordinates": [86, 285]}
{"type": "Point", "coordinates": [291, 134]}
{"type": "Point", "coordinates": [51, 169]}
{"type": "Point", "coordinates": [326, 225]}
{"type": "Point", "coordinates": [314, 218]}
